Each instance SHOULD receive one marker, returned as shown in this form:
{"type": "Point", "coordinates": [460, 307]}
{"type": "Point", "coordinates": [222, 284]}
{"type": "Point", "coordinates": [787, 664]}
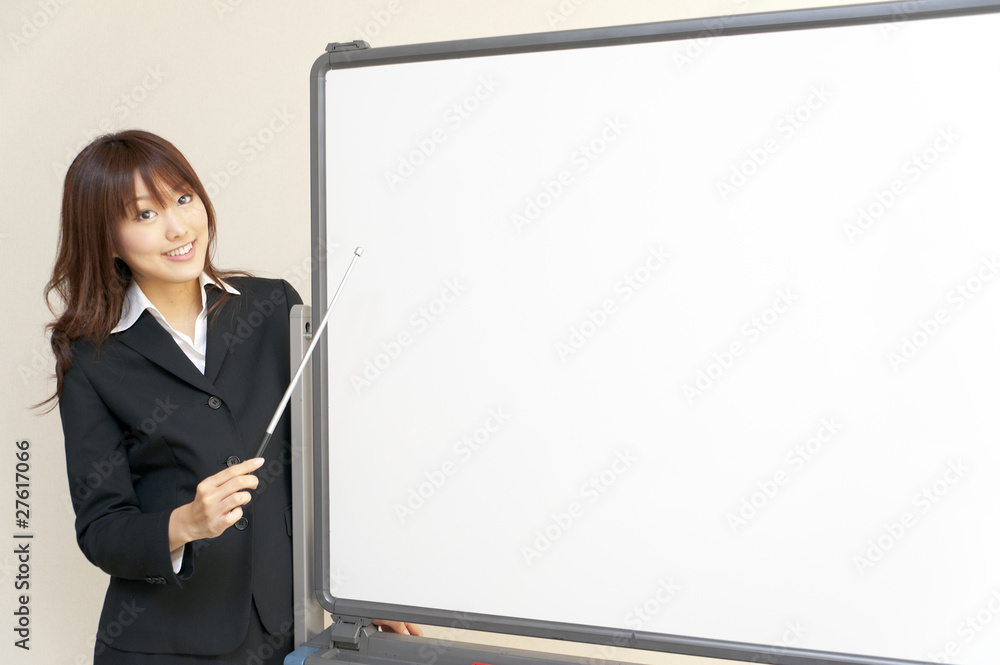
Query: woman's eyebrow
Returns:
{"type": "Point", "coordinates": [171, 190]}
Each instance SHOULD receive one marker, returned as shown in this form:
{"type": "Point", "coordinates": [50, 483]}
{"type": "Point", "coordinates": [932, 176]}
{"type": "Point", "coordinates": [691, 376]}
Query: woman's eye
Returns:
{"type": "Point", "coordinates": [146, 215]}
{"type": "Point", "coordinates": [185, 199]}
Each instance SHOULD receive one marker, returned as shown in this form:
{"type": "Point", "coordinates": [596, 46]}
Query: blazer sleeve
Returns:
{"type": "Point", "coordinates": [110, 528]}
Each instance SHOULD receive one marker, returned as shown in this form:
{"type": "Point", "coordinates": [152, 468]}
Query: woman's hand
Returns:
{"type": "Point", "coordinates": [218, 504]}
{"type": "Point", "coordinates": [399, 627]}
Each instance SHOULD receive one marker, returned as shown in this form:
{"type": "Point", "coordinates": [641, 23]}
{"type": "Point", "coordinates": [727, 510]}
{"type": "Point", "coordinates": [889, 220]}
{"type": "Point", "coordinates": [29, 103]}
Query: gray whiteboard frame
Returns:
{"type": "Point", "coordinates": [358, 54]}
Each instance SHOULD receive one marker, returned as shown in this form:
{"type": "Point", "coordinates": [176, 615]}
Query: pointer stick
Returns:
{"type": "Point", "coordinates": [302, 365]}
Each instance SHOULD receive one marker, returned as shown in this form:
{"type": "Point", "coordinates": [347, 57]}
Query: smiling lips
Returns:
{"type": "Point", "coordinates": [180, 252]}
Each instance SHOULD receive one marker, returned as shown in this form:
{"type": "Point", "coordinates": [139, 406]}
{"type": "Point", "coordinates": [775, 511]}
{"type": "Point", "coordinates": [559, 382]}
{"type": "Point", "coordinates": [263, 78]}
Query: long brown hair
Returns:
{"type": "Point", "coordinates": [99, 193]}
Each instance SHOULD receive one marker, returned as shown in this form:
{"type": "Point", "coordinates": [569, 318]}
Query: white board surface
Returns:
{"type": "Point", "coordinates": [691, 338]}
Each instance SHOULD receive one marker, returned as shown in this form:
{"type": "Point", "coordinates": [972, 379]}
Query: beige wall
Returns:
{"type": "Point", "coordinates": [226, 81]}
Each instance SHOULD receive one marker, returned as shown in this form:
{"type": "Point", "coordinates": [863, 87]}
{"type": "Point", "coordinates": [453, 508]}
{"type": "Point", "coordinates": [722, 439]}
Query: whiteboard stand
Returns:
{"type": "Point", "coordinates": [308, 615]}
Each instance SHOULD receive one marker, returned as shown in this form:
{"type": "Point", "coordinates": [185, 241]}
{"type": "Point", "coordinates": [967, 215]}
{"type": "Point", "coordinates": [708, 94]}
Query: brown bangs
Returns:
{"type": "Point", "coordinates": [159, 168]}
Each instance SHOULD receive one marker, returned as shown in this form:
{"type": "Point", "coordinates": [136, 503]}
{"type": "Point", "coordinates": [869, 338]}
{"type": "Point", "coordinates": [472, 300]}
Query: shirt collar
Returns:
{"type": "Point", "coordinates": [136, 302]}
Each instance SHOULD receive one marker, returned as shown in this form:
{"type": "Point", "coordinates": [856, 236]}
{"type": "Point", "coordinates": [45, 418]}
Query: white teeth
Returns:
{"type": "Point", "coordinates": [180, 250]}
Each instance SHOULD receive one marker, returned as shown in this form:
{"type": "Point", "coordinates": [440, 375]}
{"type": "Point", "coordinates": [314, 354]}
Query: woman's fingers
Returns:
{"type": "Point", "coordinates": [400, 627]}
{"type": "Point", "coordinates": [219, 498]}
{"type": "Point", "coordinates": [234, 501]}
{"type": "Point", "coordinates": [236, 471]}
{"type": "Point", "coordinates": [233, 516]}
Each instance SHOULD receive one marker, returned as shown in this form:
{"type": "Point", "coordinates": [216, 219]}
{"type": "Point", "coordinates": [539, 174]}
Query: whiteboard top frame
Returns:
{"type": "Point", "coordinates": [343, 56]}
{"type": "Point", "coordinates": [359, 54]}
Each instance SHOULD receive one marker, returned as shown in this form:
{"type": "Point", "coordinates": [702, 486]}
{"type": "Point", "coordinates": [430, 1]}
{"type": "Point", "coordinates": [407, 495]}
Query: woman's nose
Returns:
{"type": "Point", "coordinates": [174, 224]}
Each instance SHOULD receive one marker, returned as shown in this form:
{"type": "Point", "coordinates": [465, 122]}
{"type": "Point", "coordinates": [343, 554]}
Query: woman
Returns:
{"type": "Point", "coordinates": [168, 371]}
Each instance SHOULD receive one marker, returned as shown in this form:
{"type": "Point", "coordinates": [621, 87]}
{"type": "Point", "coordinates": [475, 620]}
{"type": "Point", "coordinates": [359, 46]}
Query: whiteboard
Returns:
{"type": "Point", "coordinates": [694, 337]}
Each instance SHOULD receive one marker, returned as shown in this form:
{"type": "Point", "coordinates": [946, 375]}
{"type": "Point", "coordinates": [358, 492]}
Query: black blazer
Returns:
{"type": "Point", "coordinates": [142, 428]}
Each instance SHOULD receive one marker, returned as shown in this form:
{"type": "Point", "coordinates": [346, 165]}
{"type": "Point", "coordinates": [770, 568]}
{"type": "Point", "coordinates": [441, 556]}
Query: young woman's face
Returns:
{"type": "Point", "coordinates": [164, 245]}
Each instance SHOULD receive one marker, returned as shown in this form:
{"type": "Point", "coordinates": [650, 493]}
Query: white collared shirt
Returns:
{"type": "Point", "coordinates": [136, 303]}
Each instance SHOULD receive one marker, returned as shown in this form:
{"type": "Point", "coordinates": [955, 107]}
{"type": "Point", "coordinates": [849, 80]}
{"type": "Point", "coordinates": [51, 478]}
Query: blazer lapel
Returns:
{"type": "Point", "coordinates": [221, 331]}
{"type": "Point", "coordinates": [148, 338]}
